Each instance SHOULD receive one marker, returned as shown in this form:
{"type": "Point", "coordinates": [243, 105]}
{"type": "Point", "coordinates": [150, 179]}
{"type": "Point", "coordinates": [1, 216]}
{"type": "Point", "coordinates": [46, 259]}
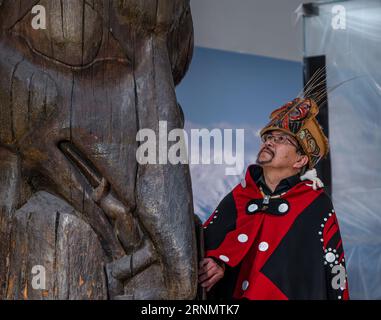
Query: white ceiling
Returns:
{"type": "Point", "coordinates": [261, 27]}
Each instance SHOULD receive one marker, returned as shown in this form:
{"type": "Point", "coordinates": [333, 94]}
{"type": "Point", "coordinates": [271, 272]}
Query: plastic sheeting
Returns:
{"type": "Point", "coordinates": [349, 34]}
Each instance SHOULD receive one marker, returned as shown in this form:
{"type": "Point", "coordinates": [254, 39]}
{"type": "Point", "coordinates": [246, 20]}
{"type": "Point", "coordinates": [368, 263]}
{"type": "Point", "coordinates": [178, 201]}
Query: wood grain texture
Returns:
{"type": "Point", "coordinates": [56, 239]}
{"type": "Point", "coordinates": [72, 195]}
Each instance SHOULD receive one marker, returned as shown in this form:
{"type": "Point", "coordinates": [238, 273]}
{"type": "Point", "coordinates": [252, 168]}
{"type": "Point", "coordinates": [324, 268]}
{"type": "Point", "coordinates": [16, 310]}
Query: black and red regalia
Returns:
{"type": "Point", "coordinates": [287, 246]}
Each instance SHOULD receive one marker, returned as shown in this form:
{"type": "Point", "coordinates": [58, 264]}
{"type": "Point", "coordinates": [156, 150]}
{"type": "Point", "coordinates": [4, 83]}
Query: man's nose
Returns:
{"type": "Point", "coordinates": [269, 143]}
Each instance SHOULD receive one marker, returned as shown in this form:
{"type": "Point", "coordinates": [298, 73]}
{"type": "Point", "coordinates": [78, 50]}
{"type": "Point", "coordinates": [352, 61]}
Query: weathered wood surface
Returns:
{"type": "Point", "coordinates": [67, 247]}
{"type": "Point", "coordinates": [72, 99]}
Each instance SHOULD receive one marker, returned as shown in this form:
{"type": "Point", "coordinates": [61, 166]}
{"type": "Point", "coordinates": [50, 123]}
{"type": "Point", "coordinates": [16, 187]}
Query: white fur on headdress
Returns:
{"type": "Point", "coordinates": [312, 175]}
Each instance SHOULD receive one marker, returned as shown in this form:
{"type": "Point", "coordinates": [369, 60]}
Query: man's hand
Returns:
{"type": "Point", "coordinates": [210, 272]}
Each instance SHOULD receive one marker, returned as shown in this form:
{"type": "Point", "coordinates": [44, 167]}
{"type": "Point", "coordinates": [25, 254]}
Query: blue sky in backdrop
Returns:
{"type": "Point", "coordinates": [241, 88]}
{"type": "Point", "coordinates": [229, 90]}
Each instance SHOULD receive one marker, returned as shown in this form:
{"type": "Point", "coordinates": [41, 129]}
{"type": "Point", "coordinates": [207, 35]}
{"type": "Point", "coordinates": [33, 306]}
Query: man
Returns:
{"type": "Point", "coordinates": [275, 235]}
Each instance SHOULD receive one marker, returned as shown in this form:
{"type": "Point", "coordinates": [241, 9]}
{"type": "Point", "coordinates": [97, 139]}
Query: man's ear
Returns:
{"type": "Point", "coordinates": [301, 162]}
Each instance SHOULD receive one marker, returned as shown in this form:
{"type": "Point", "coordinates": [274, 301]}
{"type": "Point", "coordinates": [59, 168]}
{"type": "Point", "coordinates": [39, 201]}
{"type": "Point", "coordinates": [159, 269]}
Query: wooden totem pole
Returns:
{"type": "Point", "coordinates": [78, 212]}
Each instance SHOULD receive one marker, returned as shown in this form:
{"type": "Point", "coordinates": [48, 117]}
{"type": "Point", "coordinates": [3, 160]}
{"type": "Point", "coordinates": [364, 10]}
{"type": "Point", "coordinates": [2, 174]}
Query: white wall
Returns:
{"type": "Point", "coordinates": [261, 27]}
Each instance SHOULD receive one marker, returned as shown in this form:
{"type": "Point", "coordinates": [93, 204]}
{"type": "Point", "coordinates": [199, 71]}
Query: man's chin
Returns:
{"type": "Point", "coordinates": [262, 162]}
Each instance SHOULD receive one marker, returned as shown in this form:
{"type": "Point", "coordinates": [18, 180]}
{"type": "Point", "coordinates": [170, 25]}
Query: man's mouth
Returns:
{"type": "Point", "coordinates": [268, 151]}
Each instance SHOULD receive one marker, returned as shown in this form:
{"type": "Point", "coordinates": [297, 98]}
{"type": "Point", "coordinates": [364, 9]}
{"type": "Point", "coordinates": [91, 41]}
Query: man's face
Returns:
{"type": "Point", "coordinates": [279, 150]}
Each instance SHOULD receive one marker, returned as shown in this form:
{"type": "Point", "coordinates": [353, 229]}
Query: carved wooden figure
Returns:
{"type": "Point", "coordinates": [73, 198]}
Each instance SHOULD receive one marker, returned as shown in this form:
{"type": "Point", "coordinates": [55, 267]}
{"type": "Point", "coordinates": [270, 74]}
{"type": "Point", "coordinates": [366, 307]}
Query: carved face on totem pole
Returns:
{"type": "Point", "coordinates": [72, 99]}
